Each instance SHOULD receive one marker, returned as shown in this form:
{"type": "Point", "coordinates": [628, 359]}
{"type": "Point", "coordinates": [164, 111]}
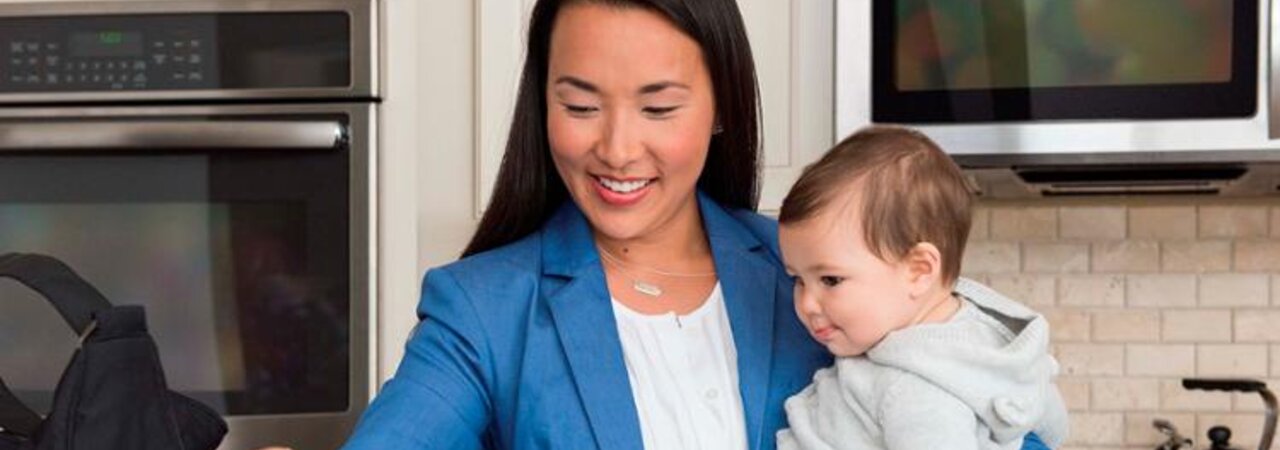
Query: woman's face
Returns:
{"type": "Point", "coordinates": [630, 113]}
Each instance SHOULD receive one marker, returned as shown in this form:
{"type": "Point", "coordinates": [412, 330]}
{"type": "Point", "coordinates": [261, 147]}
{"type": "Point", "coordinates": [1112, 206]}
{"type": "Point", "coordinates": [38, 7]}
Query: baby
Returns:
{"type": "Point", "coordinates": [873, 234]}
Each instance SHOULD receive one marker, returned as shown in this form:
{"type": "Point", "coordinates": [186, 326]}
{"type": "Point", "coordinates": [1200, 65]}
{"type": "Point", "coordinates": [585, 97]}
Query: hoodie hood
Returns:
{"type": "Point", "coordinates": [1009, 385]}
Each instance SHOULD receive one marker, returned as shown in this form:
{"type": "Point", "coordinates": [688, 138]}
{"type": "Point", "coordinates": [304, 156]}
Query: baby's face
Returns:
{"type": "Point", "coordinates": [847, 297]}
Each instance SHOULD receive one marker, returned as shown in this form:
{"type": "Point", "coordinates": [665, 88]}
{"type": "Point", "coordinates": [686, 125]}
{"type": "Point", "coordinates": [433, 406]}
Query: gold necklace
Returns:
{"type": "Point", "coordinates": [644, 287]}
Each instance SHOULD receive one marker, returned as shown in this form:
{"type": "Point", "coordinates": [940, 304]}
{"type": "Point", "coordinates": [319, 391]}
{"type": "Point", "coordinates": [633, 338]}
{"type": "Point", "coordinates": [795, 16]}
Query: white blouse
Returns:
{"type": "Point", "coordinates": [684, 376]}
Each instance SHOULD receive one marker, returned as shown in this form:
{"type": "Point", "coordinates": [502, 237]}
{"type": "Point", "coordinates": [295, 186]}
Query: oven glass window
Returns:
{"type": "Point", "coordinates": [240, 259]}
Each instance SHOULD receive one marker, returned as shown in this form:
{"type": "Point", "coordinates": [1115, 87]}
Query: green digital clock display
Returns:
{"type": "Point", "coordinates": [105, 44]}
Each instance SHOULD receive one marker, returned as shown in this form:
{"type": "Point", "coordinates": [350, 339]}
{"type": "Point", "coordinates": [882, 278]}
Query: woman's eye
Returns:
{"type": "Point", "coordinates": [659, 111]}
{"type": "Point", "coordinates": [579, 110]}
{"type": "Point", "coordinates": [830, 281]}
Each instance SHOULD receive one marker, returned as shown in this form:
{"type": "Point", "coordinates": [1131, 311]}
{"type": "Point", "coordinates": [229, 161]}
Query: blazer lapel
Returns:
{"type": "Point", "coordinates": [748, 281]}
{"type": "Point", "coordinates": [576, 292]}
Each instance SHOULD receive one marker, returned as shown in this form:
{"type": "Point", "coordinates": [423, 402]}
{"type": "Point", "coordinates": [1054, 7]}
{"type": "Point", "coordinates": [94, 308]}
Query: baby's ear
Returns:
{"type": "Point", "coordinates": [923, 265]}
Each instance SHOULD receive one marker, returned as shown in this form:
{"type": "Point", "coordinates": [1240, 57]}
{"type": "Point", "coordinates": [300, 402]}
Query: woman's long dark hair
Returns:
{"type": "Point", "coordinates": [529, 189]}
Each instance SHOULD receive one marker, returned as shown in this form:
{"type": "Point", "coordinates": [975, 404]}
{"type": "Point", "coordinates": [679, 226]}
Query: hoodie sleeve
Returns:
{"type": "Point", "coordinates": [918, 415]}
{"type": "Point", "coordinates": [1054, 426]}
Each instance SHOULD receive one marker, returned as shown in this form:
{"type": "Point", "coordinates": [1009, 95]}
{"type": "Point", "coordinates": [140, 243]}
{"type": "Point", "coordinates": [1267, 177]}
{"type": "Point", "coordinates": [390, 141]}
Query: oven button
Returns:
{"type": "Point", "coordinates": [15, 62]}
{"type": "Point", "coordinates": [194, 59]}
{"type": "Point", "coordinates": [51, 60]}
{"type": "Point", "coordinates": [140, 78]}
{"type": "Point", "coordinates": [139, 65]}
{"type": "Point", "coordinates": [51, 78]}
{"type": "Point", "coordinates": [33, 47]}
{"type": "Point", "coordinates": [195, 76]}
{"type": "Point", "coordinates": [33, 78]}
{"type": "Point", "coordinates": [15, 47]}
{"type": "Point", "coordinates": [159, 58]}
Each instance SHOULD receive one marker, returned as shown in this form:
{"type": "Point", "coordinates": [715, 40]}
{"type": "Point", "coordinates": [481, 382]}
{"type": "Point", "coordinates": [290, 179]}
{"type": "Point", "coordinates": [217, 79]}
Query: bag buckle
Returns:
{"type": "Point", "coordinates": [88, 330]}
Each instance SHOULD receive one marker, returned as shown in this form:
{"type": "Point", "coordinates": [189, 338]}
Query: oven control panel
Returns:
{"type": "Point", "coordinates": [147, 52]}
{"type": "Point", "coordinates": [104, 54]}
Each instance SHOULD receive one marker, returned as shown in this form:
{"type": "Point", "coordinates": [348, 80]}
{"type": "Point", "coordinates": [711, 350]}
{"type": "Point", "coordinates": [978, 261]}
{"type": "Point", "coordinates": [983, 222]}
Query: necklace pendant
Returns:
{"type": "Point", "coordinates": [649, 289]}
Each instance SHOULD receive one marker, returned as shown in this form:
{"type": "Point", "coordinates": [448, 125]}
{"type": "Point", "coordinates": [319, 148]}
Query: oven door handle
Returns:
{"type": "Point", "coordinates": [172, 134]}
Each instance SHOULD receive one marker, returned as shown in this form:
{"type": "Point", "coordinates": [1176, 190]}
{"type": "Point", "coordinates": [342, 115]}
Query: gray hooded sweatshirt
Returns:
{"type": "Point", "coordinates": [981, 380]}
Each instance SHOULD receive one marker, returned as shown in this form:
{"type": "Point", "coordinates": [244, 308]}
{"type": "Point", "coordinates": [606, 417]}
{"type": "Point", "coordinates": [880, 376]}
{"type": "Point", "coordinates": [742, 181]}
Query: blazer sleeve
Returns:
{"type": "Point", "coordinates": [438, 397]}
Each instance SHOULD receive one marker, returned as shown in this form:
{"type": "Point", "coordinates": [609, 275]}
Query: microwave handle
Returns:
{"type": "Point", "coordinates": [171, 134]}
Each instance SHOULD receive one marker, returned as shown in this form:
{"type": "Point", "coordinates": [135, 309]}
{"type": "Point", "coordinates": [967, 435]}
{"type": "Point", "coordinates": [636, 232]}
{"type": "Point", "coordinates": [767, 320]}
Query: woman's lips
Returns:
{"type": "Point", "coordinates": [616, 198]}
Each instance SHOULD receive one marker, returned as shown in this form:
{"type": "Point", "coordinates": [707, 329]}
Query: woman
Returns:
{"type": "Point", "coordinates": [620, 293]}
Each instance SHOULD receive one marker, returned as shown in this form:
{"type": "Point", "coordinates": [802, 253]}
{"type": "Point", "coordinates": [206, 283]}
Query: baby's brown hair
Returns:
{"type": "Point", "coordinates": [912, 192]}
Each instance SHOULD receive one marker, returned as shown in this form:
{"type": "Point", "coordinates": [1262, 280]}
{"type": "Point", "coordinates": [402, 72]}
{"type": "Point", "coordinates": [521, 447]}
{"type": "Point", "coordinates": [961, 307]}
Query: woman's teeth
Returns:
{"type": "Point", "coordinates": [624, 187]}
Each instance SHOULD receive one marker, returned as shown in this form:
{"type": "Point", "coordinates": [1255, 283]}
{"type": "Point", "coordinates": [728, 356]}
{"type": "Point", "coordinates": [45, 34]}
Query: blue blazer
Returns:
{"type": "Point", "coordinates": [517, 347]}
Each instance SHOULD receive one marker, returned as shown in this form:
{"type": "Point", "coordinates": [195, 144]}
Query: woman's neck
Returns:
{"type": "Point", "coordinates": [679, 245]}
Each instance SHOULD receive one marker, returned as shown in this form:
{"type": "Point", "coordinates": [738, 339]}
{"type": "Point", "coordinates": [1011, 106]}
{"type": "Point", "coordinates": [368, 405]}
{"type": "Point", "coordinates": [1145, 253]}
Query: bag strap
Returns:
{"type": "Point", "coordinates": [15, 416]}
{"type": "Point", "coordinates": [76, 301]}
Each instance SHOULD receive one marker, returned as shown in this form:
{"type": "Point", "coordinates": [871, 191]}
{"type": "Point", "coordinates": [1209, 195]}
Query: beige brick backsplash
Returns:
{"type": "Point", "coordinates": [1091, 290]}
{"type": "Point", "coordinates": [1069, 325]}
{"type": "Point", "coordinates": [1275, 363]}
{"type": "Point", "coordinates": [1192, 326]}
{"type": "Point", "coordinates": [991, 257]}
{"type": "Point", "coordinates": [1231, 360]}
{"type": "Point", "coordinates": [1075, 393]}
{"type": "Point", "coordinates": [1126, 256]}
{"type": "Point", "coordinates": [1233, 221]}
{"type": "Point", "coordinates": [1195, 256]}
{"type": "Point", "coordinates": [1231, 289]}
{"type": "Point", "coordinates": [1275, 290]}
{"type": "Point", "coordinates": [1024, 223]}
{"type": "Point", "coordinates": [1139, 429]}
{"type": "Point", "coordinates": [1126, 394]}
{"type": "Point", "coordinates": [1056, 258]}
{"type": "Point", "coordinates": [1161, 291]}
{"type": "Point", "coordinates": [1091, 359]}
{"type": "Point", "coordinates": [1257, 325]}
{"type": "Point", "coordinates": [1120, 325]}
{"type": "Point", "coordinates": [1257, 256]}
{"type": "Point", "coordinates": [1160, 360]}
{"type": "Point", "coordinates": [1092, 222]}
{"type": "Point", "coordinates": [1097, 429]}
{"type": "Point", "coordinates": [1032, 290]}
{"type": "Point", "coordinates": [1275, 221]}
{"type": "Point", "coordinates": [1162, 222]}
{"type": "Point", "coordinates": [1173, 397]}
{"type": "Point", "coordinates": [979, 228]}
{"type": "Point", "coordinates": [1141, 292]}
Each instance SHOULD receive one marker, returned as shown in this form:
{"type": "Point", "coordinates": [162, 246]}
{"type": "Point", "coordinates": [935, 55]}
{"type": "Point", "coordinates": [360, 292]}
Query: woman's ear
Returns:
{"type": "Point", "coordinates": [923, 268]}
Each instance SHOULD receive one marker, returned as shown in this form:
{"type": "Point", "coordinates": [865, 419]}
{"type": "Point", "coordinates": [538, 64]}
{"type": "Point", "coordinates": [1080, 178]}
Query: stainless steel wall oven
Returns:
{"type": "Point", "coordinates": [215, 162]}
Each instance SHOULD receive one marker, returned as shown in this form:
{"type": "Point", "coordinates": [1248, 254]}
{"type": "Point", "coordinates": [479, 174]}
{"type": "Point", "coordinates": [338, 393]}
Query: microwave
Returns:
{"type": "Point", "coordinates": [1072, 97]}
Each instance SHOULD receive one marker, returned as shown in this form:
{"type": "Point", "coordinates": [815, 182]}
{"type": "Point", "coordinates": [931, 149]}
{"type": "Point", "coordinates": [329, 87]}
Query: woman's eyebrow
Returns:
{"type": "Point", "coordinates": [660, 86]}
{"type": "Point", "coordinates": [578, 83]}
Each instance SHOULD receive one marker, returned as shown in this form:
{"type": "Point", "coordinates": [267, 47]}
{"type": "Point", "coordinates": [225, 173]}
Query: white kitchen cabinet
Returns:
{"type": "Point", "coordinates": [792, 41]}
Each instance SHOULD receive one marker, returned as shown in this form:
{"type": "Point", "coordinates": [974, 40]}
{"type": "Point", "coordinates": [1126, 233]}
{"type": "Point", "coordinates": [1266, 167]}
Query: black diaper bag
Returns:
{"type": "Point", "coordinates": [112, 395]}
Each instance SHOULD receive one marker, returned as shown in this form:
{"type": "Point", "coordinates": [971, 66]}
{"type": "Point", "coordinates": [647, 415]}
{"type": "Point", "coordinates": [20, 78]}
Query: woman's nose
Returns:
{"type": "Point", "coordinates": [620, 144]}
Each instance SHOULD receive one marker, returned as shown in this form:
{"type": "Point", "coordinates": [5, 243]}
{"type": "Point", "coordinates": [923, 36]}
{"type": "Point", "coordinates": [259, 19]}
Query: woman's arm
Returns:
{"type": "Point", "coordinates": [437, 398]}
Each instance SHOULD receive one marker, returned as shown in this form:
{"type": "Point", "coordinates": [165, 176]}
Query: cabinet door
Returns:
{"type": "Point", "coordinates": [792, 41]}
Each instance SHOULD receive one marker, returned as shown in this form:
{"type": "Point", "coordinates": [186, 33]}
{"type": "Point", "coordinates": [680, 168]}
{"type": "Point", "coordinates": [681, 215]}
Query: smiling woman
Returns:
{"type": "Point", "coordinates": [620, 292]}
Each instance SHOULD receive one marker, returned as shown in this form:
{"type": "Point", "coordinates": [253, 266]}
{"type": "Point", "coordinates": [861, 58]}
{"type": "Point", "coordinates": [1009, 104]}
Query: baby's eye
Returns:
{"type": "Point", "coordinates": [830, 281]}
{"type": "Point", "coordinates": [797, 280]}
